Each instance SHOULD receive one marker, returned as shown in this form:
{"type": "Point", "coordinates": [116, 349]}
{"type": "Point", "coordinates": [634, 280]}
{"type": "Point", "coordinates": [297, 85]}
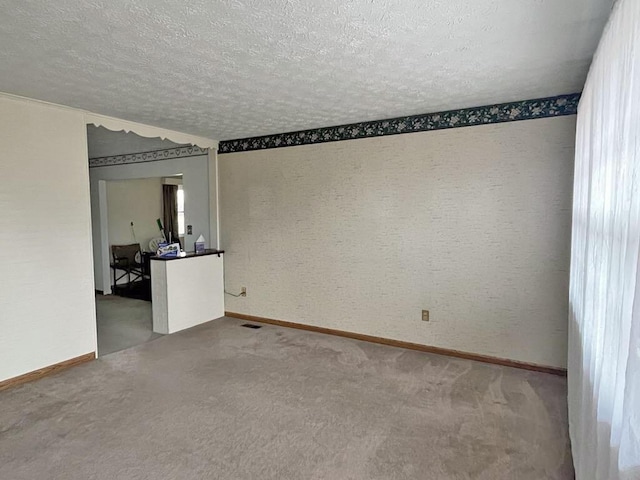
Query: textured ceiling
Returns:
{"type": "Point", "coordinates": [105, 143]}
{"type": "Point", "coordinates": [241, 68]}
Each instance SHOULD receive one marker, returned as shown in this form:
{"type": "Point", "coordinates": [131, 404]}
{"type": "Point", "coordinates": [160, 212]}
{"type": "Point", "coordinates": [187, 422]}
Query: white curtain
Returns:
{"type": "Point", "coordinates": [604, 341]}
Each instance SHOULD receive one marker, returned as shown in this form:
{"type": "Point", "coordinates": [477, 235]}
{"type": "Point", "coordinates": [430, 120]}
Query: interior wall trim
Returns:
{"type": "Point", "coordinates": [153, 156]}
{"type": "Point", "coordinates": [466, 117]}
{"type": "Point", "coordinates": [149, 131]}
{"type": "Point", "coordinates": [46, 371]}
{"type": "Point", "coordinates": [407, 345]}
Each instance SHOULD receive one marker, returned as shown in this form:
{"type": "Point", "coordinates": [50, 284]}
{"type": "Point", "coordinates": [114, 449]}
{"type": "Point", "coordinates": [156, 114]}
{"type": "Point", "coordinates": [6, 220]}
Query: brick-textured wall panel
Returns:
{"type": "Point", "coordinates": [47, 306]}
{"type": "Point", "coordinates": [472, 224]}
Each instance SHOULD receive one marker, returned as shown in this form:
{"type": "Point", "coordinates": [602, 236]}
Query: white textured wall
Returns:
{"type": "Point", "coordinates": [47, 311]}
{"type": "Point", "coordinates": [138, 201]}
{"type": "Point", "coordinates": [472, 224]}
{"type": "Point", "coordinates": [186, 292]}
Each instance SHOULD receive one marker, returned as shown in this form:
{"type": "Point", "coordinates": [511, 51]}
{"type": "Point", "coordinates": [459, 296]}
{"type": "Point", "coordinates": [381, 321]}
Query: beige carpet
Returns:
{"type": "Point", "coordinates": [225, 402]}
{"type": "Point", "coordinates": [122, 323]}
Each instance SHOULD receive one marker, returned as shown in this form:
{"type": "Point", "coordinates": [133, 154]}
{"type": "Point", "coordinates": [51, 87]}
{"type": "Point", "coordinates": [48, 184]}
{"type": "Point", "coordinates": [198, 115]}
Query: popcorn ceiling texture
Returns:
{"type": "Point", "coordinates": [245, 68]}
{"type": "Point", "coordinates": [472, 224]}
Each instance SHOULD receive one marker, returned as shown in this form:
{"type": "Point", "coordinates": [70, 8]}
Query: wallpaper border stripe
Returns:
{"type": "Point", "coordinates": [505, 112]}
{"type": "Point", "coordinates": [143, 157]}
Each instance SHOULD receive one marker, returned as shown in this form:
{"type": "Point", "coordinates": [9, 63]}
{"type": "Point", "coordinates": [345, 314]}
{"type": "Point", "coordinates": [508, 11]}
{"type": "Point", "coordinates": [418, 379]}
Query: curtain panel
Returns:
{"type": "Point", "coordinates": [604, 330]}
{"type": "Point", "coordinates": [170, 212]}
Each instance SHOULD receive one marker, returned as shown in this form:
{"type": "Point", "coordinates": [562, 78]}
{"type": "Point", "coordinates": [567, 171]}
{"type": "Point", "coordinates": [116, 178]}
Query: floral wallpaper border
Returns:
{"type": "Point", "coordinates": [167, 154]}
{"type": "Point", "coordinates": [505, 112]}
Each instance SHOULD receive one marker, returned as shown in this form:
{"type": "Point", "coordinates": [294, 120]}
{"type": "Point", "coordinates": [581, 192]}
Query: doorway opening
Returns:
{"type": "Point", "coordinates": [135, 207]}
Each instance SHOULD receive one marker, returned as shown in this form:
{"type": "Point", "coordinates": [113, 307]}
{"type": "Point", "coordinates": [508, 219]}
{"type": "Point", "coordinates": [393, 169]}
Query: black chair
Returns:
{"type": "Point", "coordinates": [127, 259]}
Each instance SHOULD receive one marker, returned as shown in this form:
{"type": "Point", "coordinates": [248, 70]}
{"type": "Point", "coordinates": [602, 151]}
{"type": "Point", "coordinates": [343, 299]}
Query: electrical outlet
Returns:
{"type": "Point", "coordinates": [425, 315]}
{"type": "Point", "coordinates": [243, 292]}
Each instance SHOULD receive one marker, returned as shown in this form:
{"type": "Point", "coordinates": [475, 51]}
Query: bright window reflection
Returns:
{"type": "Point", "coordinates": [181, 228]}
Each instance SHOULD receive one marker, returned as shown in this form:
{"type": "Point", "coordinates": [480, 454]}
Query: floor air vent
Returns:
{"type": "Point", "coordinates": [249, 325]}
